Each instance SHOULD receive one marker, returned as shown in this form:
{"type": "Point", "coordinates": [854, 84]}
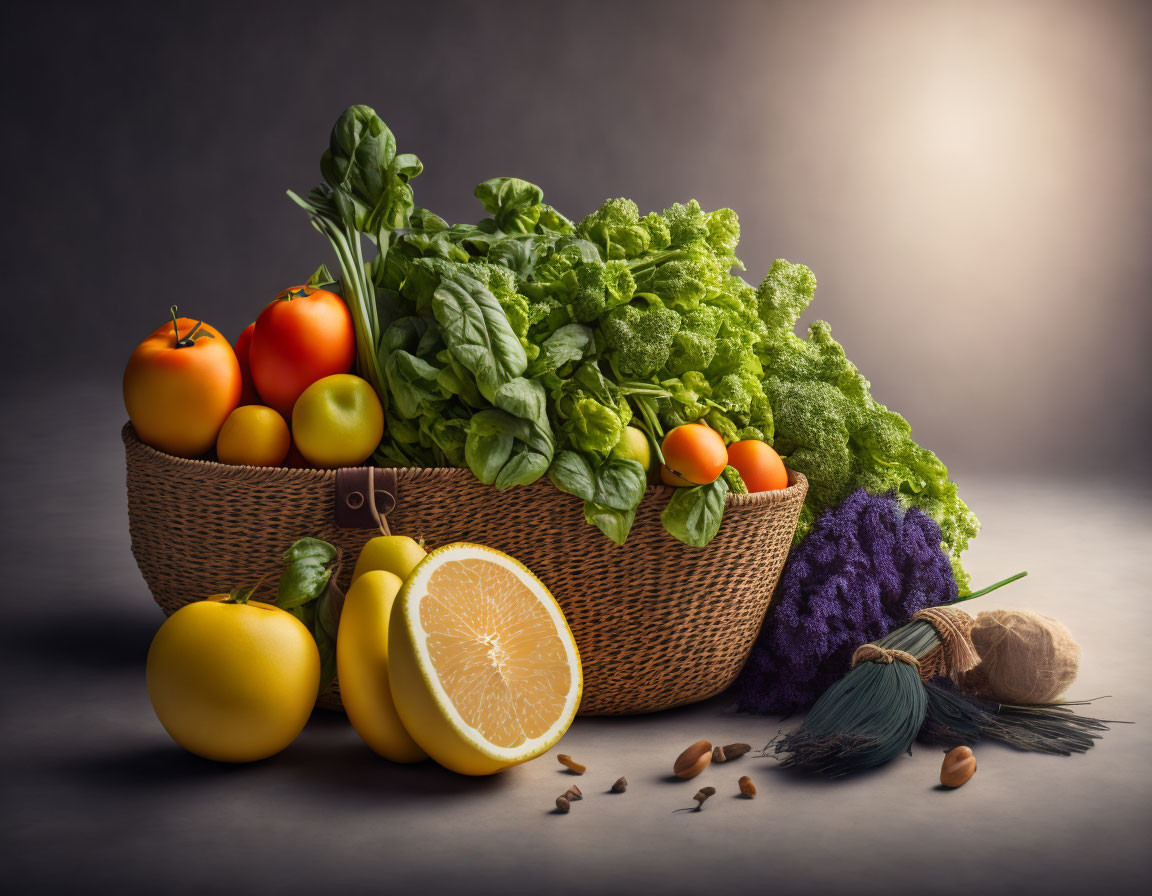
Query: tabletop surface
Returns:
{"type": "Point", "coordinates": [96, 796]}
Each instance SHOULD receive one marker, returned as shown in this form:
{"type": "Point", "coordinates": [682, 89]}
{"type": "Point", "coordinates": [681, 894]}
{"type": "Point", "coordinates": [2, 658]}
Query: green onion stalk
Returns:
{"type": "Point", "coordinates": [357, 290]}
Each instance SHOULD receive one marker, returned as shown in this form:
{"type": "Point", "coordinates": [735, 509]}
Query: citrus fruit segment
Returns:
{"type": "Point", "coordinates": [485, 672]}
{"type": "Point", "coordinates": [362, 666]}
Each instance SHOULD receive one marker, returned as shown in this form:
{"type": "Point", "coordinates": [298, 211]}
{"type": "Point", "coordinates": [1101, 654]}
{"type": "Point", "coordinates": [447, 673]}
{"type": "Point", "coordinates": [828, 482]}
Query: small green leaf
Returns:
{"type": "Point", "coordinates": [322, 277]}
{"type": "Point", "coordinates": [694, 514]}
{"type": "Point", "coordinates": [571, 473]}
{"type": "Point", "coordinates": [616, 524]}
{"type": "Point", "coordinates": [306, 573]}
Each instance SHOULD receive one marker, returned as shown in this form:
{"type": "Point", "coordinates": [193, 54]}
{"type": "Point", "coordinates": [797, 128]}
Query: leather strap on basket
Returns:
{"type": "Point", "coordinates": [364, 498]}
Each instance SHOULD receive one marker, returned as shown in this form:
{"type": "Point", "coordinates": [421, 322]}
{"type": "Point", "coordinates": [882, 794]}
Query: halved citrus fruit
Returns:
{"type": "Point", "coordinates": [484, 669]}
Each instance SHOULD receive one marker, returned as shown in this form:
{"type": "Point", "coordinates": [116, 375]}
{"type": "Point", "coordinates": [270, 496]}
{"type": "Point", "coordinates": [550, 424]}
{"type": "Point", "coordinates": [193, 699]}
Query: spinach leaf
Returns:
{"type": "Point", "coordinates": [489, 444]}
{"type": "Point", "coordinates": [413, 382]}
{"type": "Point", "coordinates": [694, 514]}
{"type": "Point", "coordinates": [477, 333]}
{"type": "Point", "coordinates": [369, 180]}
{"type": "Point", "coordinates": [571, 473]}
{"type": "Point", "coordinates": [620, 484]}
{"type": "Point", "coordinates": [308, 591]}
{"type": "Point", "coordinates": [570, 343]}
{"type": "Point", "coordinates": [614, 523]}
{"type": "Point", "coordinates": [512, 202]}
{"type": "Point", "coordinates": [524, 468]}
{"type": "Point", "coordinates": [306, 572]}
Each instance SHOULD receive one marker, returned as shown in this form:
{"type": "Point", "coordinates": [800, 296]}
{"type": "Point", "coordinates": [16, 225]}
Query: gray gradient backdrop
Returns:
{"type": "Point", "coordinates": [970, 182]}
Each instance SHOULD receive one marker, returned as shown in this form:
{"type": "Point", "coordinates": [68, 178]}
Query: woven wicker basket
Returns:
{"type": "Point", "coordinates": [658, 624]}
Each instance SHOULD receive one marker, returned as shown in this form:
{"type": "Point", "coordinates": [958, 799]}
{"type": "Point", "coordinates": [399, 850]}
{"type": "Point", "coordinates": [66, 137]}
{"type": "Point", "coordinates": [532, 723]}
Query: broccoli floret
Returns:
{"type": "Point", "coordinates": [682, 283]}
{"type": "Point", "coordinates": [639, 339]}
{"type": "Point", "coordinates": [687, 224]}
{"type": "Point", "coordinates": [784, 294]}
{"type": "Point", "coordinates": [734, 394]}
{"type": "Point", "coordinates": [615, 227]}
{"type": "Point", "coordinates": [599, 288]}
{"type": "Point", "coordinates": [723, 234]}
{"type": "Point", "coordinates": [695, 344]}
{"type": "Point", "coordinates": [657, 227]}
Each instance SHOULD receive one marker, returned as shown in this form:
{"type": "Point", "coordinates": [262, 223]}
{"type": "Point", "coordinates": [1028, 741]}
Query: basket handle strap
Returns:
{"type": "Point", "coordinates": [380, 519]}
{"type": "Point", "coordinates": [364, 498]}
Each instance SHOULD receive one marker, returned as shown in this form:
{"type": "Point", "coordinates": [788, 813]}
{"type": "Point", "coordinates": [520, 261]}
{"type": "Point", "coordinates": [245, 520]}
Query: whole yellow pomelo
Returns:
{"type": "Point", "coordinates": [234, 682]}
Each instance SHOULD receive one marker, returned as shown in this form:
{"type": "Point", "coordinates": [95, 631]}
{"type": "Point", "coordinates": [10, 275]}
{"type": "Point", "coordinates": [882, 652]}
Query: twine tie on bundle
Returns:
{"type": "Point", "coordinates": [956, 653]}
{"type": "Point", "coordinates": [874, 653]}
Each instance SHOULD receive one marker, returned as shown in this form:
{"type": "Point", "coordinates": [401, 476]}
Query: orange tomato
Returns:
{"type": "Point", "coordinates": [179, 391]}
{"type": "Point", "coordinates": [248, 394]}
{"type": "Point", "coordinates": [693, 455]}
{"type": "Point", "coordinates": [758, 465]}
{"type": "Point", "coordinates": [303, 335]}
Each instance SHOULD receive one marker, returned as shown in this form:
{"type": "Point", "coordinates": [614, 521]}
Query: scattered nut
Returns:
{"type": "Point", "coordinates": [568, 762]}
{"type": "Point", "coordinates": [574, 794]}
{"type": "Point", "coordinates": [693, 760]}
{"type": "Point", "coordinates": [747, 787]}
{"type": "Point", "coordinates": [731, 751]}
{"type": "Point", "coordinates": [620, 786]}
{"type": "Point", "coordinates": [562, 803]}
{"type": "Point", "coordinates": [701, 795]}
{"type": "Point", "coordinates": [959, 765]}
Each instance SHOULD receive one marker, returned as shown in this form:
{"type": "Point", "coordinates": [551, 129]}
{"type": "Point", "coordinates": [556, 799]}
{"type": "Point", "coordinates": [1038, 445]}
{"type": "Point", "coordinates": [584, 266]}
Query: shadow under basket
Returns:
{"type": "Point", "coordinates": [658, 624]}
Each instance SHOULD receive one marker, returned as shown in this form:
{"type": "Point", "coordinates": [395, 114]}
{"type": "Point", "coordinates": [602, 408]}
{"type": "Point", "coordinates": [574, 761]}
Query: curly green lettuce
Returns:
{"type": "Point", "coordinates": [830, 428]}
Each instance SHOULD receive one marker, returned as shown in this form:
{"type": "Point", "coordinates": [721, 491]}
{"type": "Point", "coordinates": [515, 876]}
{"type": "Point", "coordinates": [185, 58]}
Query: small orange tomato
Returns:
{"type": "Point", "coordinates": [758, 465]}
{"type": "Point", "coordinates": [180, 384]}
{"type": "Point", "coordinates": [302, 336]}
{"type": "Point", "coordinates": [694, 454]}
{"type": "Point", "coordinates": [248, 394]}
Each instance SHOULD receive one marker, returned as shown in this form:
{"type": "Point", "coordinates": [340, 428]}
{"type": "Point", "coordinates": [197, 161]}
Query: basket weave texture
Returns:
{"type": "Point", "coordinates": [658, 623]}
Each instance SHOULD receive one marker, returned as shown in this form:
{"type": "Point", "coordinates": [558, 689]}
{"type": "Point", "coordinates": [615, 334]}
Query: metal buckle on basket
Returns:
{"type": "Point", "coordinates": [364, 497]}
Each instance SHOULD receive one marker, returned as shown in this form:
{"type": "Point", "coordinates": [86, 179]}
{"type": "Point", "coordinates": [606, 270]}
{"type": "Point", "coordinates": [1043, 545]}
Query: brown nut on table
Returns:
{"type": "Point", "coordinates": [562, 803]}
{"type": "Point", "coordinates": [693, 760]}
{"type": "Point", "coordinates": [620, 786]}
{"type": "Point", "coordinates": [747, 788]}
{"type": "Point", "coordinates": [568, 762]}
{"type": "Point", "coordinates": [731, 751]}
{"type": "Point", "coordinates": [573, 793]}
{"type": "Point", "coordinates": [959, 765]}
{"type": "Point", "coordinates": [701, 795]}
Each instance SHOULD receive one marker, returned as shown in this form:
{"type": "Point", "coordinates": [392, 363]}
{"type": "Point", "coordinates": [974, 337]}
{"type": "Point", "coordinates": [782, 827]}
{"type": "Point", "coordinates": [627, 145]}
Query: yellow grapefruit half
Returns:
{"type": "Point", "coordinates": [483, 667]}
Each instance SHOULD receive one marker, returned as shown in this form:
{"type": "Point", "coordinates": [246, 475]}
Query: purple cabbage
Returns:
{"type": "Point", "coordinates": [861, 572]}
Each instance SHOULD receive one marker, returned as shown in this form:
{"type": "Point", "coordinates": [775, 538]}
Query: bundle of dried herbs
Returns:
{"type": "Point", "coordinates": [889, 698]}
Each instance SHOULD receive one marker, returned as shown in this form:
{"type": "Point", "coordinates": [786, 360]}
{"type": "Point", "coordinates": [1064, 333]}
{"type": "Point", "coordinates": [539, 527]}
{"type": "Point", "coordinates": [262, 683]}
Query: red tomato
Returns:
{"type": "Point", "coordinates": [303, 335]}
{"type": "Point", "coordinates": [758, 465]}
{"type": "Point", "coordinates": [693, 455]}
{"type": "Point", "coordinates": [243, 344]}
